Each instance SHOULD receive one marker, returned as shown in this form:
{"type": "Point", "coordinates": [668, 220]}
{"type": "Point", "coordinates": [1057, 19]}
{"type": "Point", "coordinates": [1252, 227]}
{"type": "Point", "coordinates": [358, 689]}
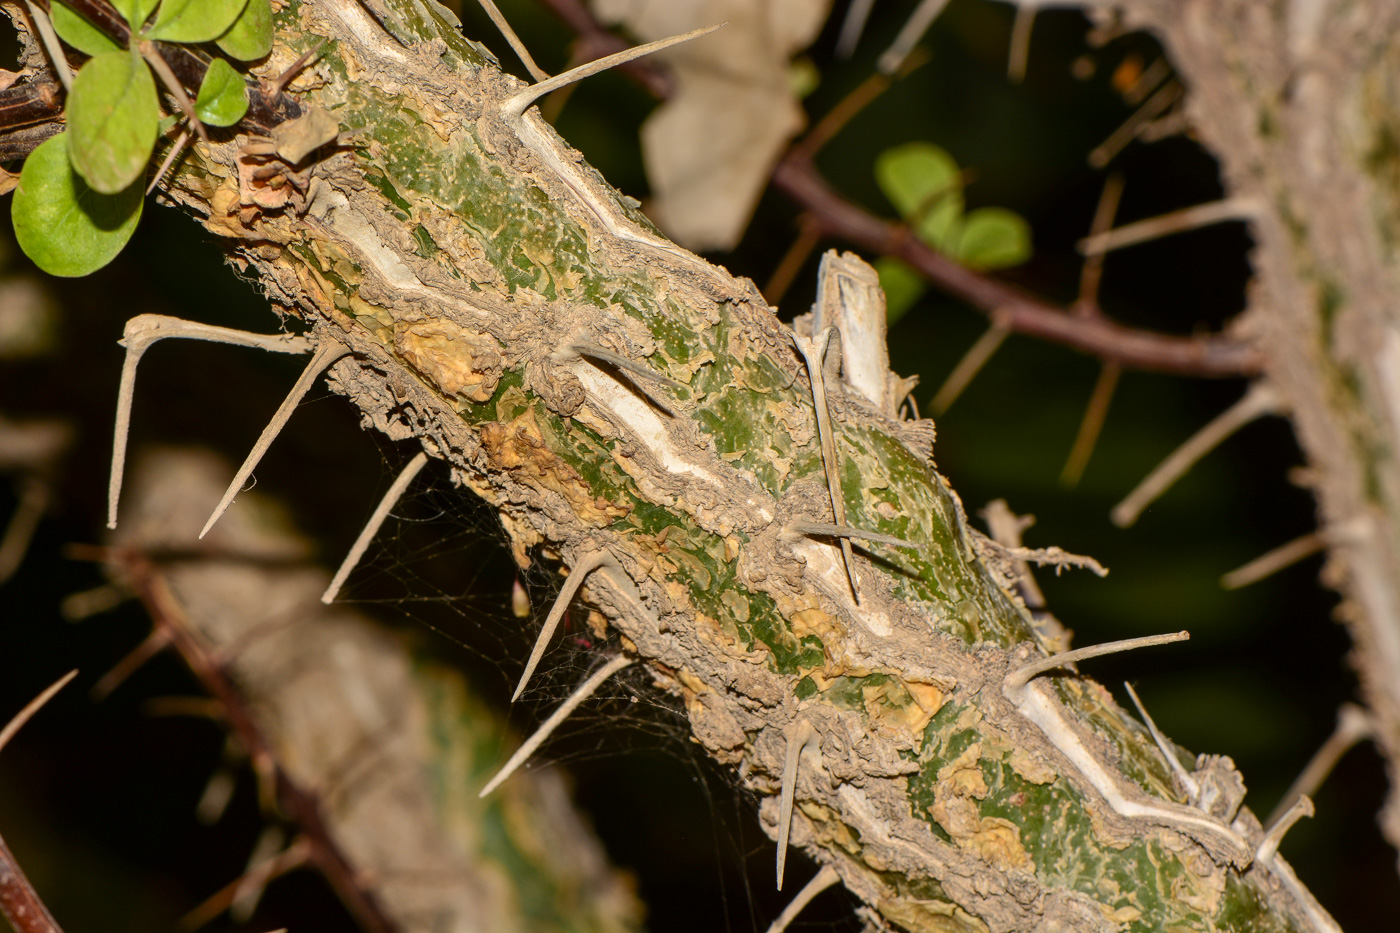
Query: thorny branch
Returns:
{"type": "Point", "coordinates": [796, 175]}
{"type": "Point", "coordinates": [150, 587]}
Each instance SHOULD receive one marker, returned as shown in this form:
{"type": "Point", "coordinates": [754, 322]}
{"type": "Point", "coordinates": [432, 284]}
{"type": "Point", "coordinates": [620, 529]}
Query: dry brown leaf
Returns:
{"type": "Point", "coordinates": [710, 148]}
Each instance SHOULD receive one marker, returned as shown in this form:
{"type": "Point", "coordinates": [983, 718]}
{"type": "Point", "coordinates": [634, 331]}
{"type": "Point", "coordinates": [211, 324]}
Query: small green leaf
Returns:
{"type": "Point", "coordinates": [994, 238]}
{"type": "Point", "coordinates": [63, 225]}
{"type": "Point", "coordinates": [250, 36]}
{"type": "Point", "coordinates": [113, 116]}
{"type": "Point", "coordinates": [194, 20]}
{"type": "Point", "coordinates": [922, 182]}
{"type": "Point", "coordinates": [223, 98]}
{"type": "Point", "coordinates": [79, 33]}
{"type": "Point", "coordinates": [135, 12]}
{"type": "Point", "coordinates": [902, 286]}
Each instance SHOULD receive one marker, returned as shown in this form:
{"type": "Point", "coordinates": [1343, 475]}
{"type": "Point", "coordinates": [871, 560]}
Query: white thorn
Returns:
{"type": "Point", "coordinates": [381, 512]}
{"type": "Point", "coordinates": [536, 72]}
{"type": "Point", "coordinates": [814, 355]}
{"type": "Point", "coordinates": [29, 511]}
{"type": "Point", "coordinates": [1260, 400]}
{"type": "Point", "coordinates": [1189, 218]}
{"type": "Point", "coordinates": [32, 707]}
{"type": "Point", "coordinates": [819, 883]}
{"type": "Point", "coordinates": [914, 28]}
{"type": "Point", "coordinates": [584, 691]}
{"type": "Point", "coordinates": [802, 527]}
{"type": "Point", "coordinates": [589, 563]}
{"type": "Point", "coordinates": [144, 330]}
{"type": "Point", "coordinates": [1353, 725]}
{"type": "Point", "coordinates": [1188, 783]}
{"type": "Point", "coordinates": [257, 874]}
{"type": "Point", "coordinates": [1302, 807]}
{"type": "Point", "coordinates": [1271, 562]}
{"type": "Point", "coordinates": [852, 27]}
{"type": "Point", "coordinates": [802, 735]}
{"type": "Point", "coordinates": [327, 352]}
{"type": "Point", "coordinates": [1024, 674]}
{"type": "Point", "coordinates": [1020, 51]}
{"type": "Point", "coordinates": [515, 106]}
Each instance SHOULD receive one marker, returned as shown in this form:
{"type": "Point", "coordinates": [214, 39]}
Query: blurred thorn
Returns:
{"type": "Point", "coordinates": [1270, 563]}
{"type": "Point", "coordinates": [155, 643]}
{"type": "Point", "coordinates": [852, 27]}
{"type": "Point", "coordinates": [809, 236]}
{"type": "Point", "coordinates": [1301, 807]}
{"type": "Point", "coordinates": [1182, 221]}
{"type": "Point", "coordinates": [1095, 413]}
{"type": "Point", "coordinates": [1118, 140]}
{"type": "Point", "coordinates": [84, 604]}
{"type": "Point", "coordinates": [295, 856]}
{"type": "Point", "coordinates": [1189, 785]}
{"type": "Point", "coordinates": [914, 28]}
{"type": "Point", "coordinates": [801, 737]}
{"type": "Point", "coordinates": [1018, 678]}
{"type": "Point", "coordinates": [1260, 400]}
{"type": "Point", "coordinates": [819, 883]}
{"type": "Point", "coordinates": [583, 692]}
{"type": "Point", "coordinates": [261, 863]}
{"type": "Point", "coordinates": [520, 600]}
{"type": "Point", "coordinates": [969, 366]}
{"type": "Point", "coordinates": [1354, 725]}
{"type": "Point", "coordinates": [376, 520]}
{"type": "Point", "coordinates": [1020, 52]}
{"type": "Point", "coordinates": [32, 707]}
{"type": "Point", "coordinates": [179, 146]}
{"type": "Point", "coordinates": [536, 72]}
{"type": "Point", "coordinates": [328, 351]}
{"type": "Point", "coordinates": [33, 501]}
{"type": "Point", "coordinates": [1147, 81]}
{"type": "Point", "coordinates": [1174, 123]}
{"type": "Point", "coordinates": [213, 803]}
{"type": "Point", "coordinates": [1091, 275]}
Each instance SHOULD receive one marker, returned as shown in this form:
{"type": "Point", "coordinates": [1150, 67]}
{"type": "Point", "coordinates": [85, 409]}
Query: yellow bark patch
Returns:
{"type": "Point", "coordinates": [519, 448]}
{"type": "Point", "coordinates": [1031, 767]}
{"type": "Point", "coordinates": [460, 362]}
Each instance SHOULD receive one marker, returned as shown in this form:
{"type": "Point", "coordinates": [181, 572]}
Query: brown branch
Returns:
{"type": "Point", "coordinates": [301, 805]}
{"type": "Point", "coordinates": [1214, 356]}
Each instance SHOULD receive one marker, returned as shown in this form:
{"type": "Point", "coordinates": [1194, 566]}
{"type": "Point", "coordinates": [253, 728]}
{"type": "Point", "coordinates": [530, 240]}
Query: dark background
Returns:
{"type": "Point", "coordinates": [98, 799]}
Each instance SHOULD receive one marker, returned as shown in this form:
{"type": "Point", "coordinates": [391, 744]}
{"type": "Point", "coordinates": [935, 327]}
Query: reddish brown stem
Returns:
{"type": "Point", "coordinates": [301, 805]}
{"type": "Point", "coordinates": [1214, 355]}
{"type": "Point", "coordinates": [19, 902]}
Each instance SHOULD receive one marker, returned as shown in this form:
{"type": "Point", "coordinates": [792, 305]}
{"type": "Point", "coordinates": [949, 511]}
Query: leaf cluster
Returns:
{"type": "Point", "coordinates": [80, 194]}
{"type": "Point", "coordinates": [925, 185]}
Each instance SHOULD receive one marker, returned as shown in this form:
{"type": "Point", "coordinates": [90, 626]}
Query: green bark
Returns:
{"type": "Point", "coordinates": [459, 250]}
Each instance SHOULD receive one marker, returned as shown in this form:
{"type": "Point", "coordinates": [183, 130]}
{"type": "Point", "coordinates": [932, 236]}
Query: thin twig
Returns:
{"type": "Point", "coordinates": [494, 12]}
{"type": "Point", "coordinates": [1020, 52]}
{"type": "Point", "coordinates": [819, 883]}
{"type": "Point", "coordinates": [1156, 105]}
{"type": "Point", "coordinates": [1270, 563]}
{"type": "Point", "coordinates": [1154, 228]}
{"type": "Point", "coordinates": [808, 238]}
{"type": "Point", "coordinates": [1091, 275]}
{"type": "Point", "coordinates": [1095, 413]}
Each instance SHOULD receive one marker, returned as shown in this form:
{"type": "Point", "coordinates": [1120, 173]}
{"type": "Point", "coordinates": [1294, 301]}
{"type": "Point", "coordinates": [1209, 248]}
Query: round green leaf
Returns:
{"type": "Point", "coordinates": [250, 36]}
{"type": "Point", "coordinates": [194, 20]}
{"type": "Point", "coordinates": [902, 287]}
{"type": "Point", "coordinates": [79, 33]}
{"type": "Point", "coordinates": [921, 180]}
{"type": "Point", "coordinates": [223, 98]}
{"type": "Point", "coordinates": [114, 117]}
{"type": "Point", "coordinates": [994, 238]}
{"type": "Point", "coordinates": [63, 225]}
{"type": "Point", "coordinates": [135, 12]}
